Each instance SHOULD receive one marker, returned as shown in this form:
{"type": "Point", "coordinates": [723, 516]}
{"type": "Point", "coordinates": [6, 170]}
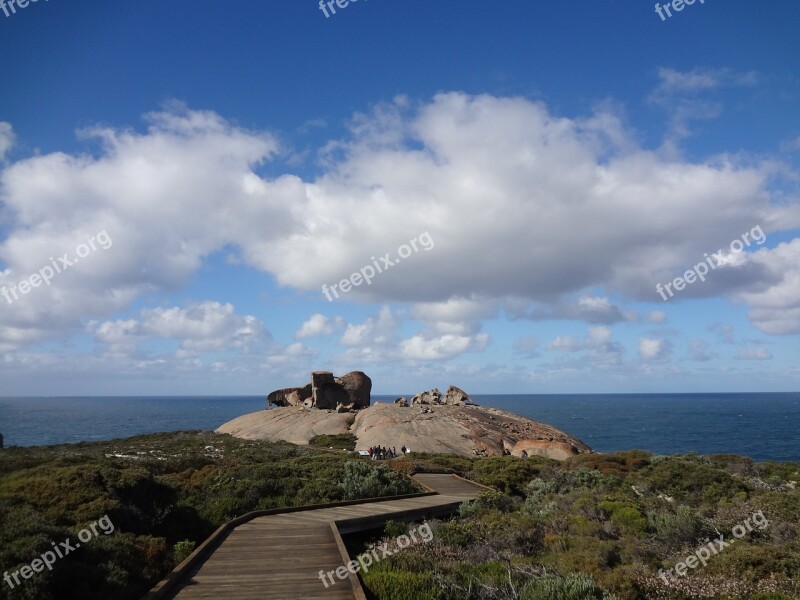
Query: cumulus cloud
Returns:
{"type": "Point", "coordinates": [442, 347]}
{"type": "Point", "coordinates": [565, 343]}
{"type": "Point", "coordinates": [654, 349]}
{"type": "Point", "coordinates": [316, 325]}
{"type": "Point", "coordinates": [205, 327]}
{"type": "Point", "coordinates": [523, 204]}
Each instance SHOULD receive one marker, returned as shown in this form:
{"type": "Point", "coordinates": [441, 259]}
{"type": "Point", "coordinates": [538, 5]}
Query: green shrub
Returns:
{"type": "Point", "coordinates": [182, 550]}
{"type": "Point", "coordinates": [363, 480]}
{"type": "Point", "coordinates": [339, 441]}
{"type": "Point", "coordinates": [676, 528]}
{"type": "Point", "coordinates": [400, 586]}
{"type": "Point", "coordinates": [576, 586]}
{"type": "Point", "coordinates": [394, 529]}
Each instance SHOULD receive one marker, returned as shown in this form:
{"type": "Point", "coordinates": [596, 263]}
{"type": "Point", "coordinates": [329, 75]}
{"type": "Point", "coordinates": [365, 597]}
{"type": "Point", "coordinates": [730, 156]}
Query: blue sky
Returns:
{"type": "Point", "coordinates": [214, 166]}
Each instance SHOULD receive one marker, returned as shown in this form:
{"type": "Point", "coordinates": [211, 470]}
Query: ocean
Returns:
{"type": "Point", "coordinates": [762, 426]}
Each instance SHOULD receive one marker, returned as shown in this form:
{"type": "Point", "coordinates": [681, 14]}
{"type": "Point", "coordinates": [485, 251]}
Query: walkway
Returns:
{"type": "Point", "coordinates": [279, 556]}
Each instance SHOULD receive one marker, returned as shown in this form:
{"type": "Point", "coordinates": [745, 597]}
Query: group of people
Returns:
{"type": "Point", "coordinates": [379, 452]}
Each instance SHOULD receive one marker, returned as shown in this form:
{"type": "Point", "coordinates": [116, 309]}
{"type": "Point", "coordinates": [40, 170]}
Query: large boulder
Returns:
{"type": "Point", "coordinates": [327, 392]}
{"type": "Point", "coordinates": [358, 387]}
{"type": "Point", "coordinates": [457, 397]}
{"type": "Point", "coordinates": [289, 396]}
{"type": "Point", "coordinates": [433, 396]}
{"type": "Point", "coordinates": [559, 450]}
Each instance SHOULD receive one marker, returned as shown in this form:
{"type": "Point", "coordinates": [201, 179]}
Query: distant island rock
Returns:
{"type": "Point", "coordinates": [429, 422]}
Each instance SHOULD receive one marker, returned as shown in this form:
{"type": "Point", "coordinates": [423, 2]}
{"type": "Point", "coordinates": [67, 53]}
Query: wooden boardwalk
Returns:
{"type": "Point", "coordinates": [279, 556]}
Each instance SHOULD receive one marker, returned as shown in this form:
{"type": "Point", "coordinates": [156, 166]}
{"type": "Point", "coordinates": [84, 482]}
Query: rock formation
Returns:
{"type": "Point", "coordinates": [453, 397]}
{"type": "Point", "coordinates": [430, 422]}
{"type": "Point", "coordinates": [326, 392]}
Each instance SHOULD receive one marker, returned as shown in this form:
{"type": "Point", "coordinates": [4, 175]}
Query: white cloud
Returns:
{"type": "Point", "coordinates": [654, 349]}
{"type": "Point", "coordinates": [574, 204]}
{"type": "Point", "coordinates": [316, 325]}
{"type": "Point", "coordinates": [442, 347]}
{"type": "Point", "coordinates": [656, 316]}
{"type": "Point", "coordinates": [375, 331]}
{"type": "Point", "coordinates": [565, 343]}
{"type": "Point", "coordinates": [206, 327]}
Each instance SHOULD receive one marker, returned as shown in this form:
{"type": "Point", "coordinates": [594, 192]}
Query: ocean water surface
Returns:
{"type": "Point", "coordinates": [763, 426]}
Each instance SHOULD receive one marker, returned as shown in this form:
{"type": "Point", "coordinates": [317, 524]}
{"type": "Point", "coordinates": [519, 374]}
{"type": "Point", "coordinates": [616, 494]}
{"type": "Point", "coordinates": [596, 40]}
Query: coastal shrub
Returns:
{"type": "Point", "coordinates": [362, 480]}
{"type": "Point", "coordinates": [339, 441]}
{"type": "Point", "coordinates": [489, 500]}
{"type": "Point", "coordinates": [508, 474]}
{"type": "Point", "coordinates": [400, 585]}
{"type": "Point", "coordinates": [676, 528]}
{"type": "Point", "coordinates": [182, 550]}
{"type": "Point", "coordinates": [575, 586]}
{"type": "Point", "coordinates": [394, 529]}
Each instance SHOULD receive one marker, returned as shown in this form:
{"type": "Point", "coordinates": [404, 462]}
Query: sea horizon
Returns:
{"type": "Point", "coordinates": [760, 425]}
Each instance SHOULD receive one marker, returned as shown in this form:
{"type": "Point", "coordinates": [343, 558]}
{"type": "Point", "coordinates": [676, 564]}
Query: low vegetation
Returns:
{"type": "Point", "coordinates": [164, 493]}
{"type": "Point", "coordinates": [595, 527]}
{"type": "Point", "coordinates": [600, 527]}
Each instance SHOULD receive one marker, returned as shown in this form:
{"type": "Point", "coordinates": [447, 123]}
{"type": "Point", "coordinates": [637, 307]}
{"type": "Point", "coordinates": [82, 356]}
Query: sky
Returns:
{"type": "Point", "coordinates": [204, 198]}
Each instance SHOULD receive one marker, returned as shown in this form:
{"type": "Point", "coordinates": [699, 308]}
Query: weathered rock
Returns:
{"type": "Point", "coordinates": [289, 396]}
{"type": "Point", "coordinates": [462, 430]}
{"type": "Point", "coordinates": [433, 396]}
{"type": "Point", "coordinates": [547, 448]}
{"type": "Point", "coordinates": [291, 424]}
{"type": "Point", "coordinates": [457, 397]}
{"type": "Point", "coordinates": [343, 408]}
{"type": "Point", "coordinates": [321, 382]}
{"type": "Point", "coordinates": [358, 387]}
{"type": "Point", "coordinates": [401, 401]}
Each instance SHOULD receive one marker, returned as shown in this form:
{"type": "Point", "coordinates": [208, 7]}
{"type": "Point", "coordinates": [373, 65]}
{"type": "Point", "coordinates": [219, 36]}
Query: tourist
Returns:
{"type": "Point", "coordinates": [394, 451]}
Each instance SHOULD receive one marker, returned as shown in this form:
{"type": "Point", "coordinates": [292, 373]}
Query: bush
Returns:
{"type": "Point", "coordinates": [400, 586]}
{"type": "Point", "coordinates": [576, 586]}
{"type": "Point", "coordinates": [182, 550]}
{"type": "Point", "coordinates": [361, 480]}
{"type": "Point", "coordinates": [339, 441]}
{"type": "Point", "coordinates": [678, 528]}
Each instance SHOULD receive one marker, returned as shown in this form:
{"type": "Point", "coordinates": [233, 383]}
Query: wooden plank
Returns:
{"type": "Point", "coordinates": [280, 556]}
